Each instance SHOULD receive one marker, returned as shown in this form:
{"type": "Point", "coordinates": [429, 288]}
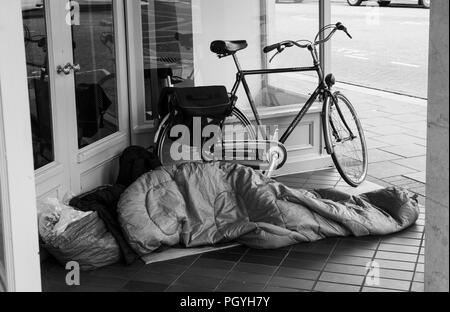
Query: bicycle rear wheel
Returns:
{"type": "Point", "coordinates": [345, 139]}
{"type": "Point", "coordinates": [172, 150]}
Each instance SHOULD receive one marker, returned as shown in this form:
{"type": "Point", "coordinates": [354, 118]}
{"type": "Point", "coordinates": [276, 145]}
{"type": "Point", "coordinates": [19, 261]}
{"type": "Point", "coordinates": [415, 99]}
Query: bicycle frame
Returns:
{"type": "Point", "coordinates": [322, 89]}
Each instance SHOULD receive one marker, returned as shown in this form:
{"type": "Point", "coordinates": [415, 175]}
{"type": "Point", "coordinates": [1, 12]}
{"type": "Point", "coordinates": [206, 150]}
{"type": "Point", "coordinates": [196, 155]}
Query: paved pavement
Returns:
{"type": "Point", "coordinates": [389, 50]}
{"type": "Point", "coordinates": [396, 131]}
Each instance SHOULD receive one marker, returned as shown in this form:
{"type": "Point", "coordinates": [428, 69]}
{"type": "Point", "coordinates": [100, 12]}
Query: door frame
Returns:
{"type": "Point", "coordinates": [18, 197]}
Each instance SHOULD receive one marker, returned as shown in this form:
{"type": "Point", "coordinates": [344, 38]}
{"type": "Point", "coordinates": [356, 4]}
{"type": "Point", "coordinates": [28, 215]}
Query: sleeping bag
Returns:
{"type": "Point", "coordinates": [199, 204]}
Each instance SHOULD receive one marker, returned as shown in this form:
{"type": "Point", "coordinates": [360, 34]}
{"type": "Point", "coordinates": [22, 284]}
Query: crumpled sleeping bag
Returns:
{"type": "Point", "coordinates": [198, 204]}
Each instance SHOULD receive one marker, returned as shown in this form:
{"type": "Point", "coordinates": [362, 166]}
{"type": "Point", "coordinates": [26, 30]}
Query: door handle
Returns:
{"type": "Point", "coordinates": [66, 69]}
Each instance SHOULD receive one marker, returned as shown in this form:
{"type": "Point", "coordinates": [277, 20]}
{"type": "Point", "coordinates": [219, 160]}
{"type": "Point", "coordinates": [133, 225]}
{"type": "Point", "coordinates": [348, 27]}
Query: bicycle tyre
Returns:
{"type": "Point", "coordinates": [354, 155]}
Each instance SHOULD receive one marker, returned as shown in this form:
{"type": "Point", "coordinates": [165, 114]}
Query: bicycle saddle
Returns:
{"type": "Point", "coordinates": [226, 48]}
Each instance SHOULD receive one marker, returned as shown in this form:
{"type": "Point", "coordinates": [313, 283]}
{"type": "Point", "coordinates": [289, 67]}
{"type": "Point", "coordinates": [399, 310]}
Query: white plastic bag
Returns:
{"type": "Point", "coordinates": [54, 217]}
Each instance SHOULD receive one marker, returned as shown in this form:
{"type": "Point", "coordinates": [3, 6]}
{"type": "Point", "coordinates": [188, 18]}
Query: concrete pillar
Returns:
{"type": "Point", "coordinates": [437, 208]}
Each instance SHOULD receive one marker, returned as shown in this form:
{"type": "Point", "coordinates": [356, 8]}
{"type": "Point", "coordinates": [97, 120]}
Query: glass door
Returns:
{"type": "Point", "coordinates": [76, 61]}
{"type": "Point", "coordinates": [42, 33]}
{"type": "Point", "coordinates": [96, 55]}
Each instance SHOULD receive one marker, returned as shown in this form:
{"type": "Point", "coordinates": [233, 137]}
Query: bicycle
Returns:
{"type": "Point", "coordinates": [344, 136]}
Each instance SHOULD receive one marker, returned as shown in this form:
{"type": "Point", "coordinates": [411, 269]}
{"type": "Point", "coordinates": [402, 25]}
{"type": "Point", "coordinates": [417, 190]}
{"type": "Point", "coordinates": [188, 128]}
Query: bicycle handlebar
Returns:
{"type": "Point", "coordinates": [281, 46]}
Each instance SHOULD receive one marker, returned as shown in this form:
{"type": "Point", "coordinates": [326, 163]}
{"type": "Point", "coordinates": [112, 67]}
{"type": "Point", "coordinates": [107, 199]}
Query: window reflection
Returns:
{"type": "Point", "coordinates": [35, 34]}
{"type": "Point", "coordinates": [95, 82]}
{"type": "Point", "coordinates": [177, 36]}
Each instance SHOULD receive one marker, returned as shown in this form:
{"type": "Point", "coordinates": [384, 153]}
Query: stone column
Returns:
{"type": "Point", "coordinates": [437, 208]}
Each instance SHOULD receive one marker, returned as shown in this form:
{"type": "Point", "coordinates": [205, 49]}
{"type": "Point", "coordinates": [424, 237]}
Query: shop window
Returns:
{"type": "Point", "coordinates": [389, 50]}
{"type": "Point", "coordinates": [177, 37]}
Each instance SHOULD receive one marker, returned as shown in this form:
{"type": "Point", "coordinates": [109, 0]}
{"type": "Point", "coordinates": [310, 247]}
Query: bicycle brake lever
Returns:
{"type": "Point", "coordinates": [271, 59]}
{"type": "Point", "coordinates": [350, 36]}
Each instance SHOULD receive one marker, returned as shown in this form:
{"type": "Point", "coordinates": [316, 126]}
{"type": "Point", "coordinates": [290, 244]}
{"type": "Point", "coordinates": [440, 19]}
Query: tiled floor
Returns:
{"type": "Point", "coordinates": [329, 265]}
{"type": "Point", "coordinates": [396, 134]}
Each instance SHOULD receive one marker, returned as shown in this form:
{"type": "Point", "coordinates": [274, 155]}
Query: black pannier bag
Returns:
{"type": "Point", "coordinates": [210, 103]}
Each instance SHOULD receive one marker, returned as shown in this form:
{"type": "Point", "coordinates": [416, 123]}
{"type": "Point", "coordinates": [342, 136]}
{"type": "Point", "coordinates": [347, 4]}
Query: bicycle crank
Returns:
{"type": "Point", "coordinates": [275, 154]}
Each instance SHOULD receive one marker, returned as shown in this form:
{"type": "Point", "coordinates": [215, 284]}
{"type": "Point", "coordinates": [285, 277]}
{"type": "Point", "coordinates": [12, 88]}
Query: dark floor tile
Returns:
{"type": "Point", "coordinates": [395, 265]}
{"type": "Point", "coordinates": [274, 289]}
{"type": "Point", "coordinates": [222, 256]}
{"type": "Point", "coordinates": [280, 281]}
{"type": "Point", "coordinates": [208, 272]}
{"type": "Point", "coordinates": [314, 249]}
{"type": "Point", "coordinates": [356, 252]}
{"type": "Point", "coordinates": [346, 269]}
{"type": "Point", "coordinates": [361, 261]}
{"type": "Point", "coordinates": [298, 273]}
{"type": "Point", "coordinates": [233, 286]}
{"type": "Point", "coordinates": [374, 289]}
{"type": "Point", "coordinates": [198, 281]}
{"type": "Point", "coordinates": [294, 255]}
{"type": "Point", "coordinates": [371, 245]}
{"type": "Point", "coordinates": [213, 264]}
{"type": "Point", "coordinates": [396, 256]}
{"type": "Point", "coordinates": [255, 268]}
{"type": "Point", "coordinates": [119, 270]}
{"type": "Point", "coordinates": [152, 277]}
{"type": "Point", "coordinates": [392, 284]}
{"type": "Point", "coordinates": [248, 277]}
{"type": "Point", "coordinates": [137, 286]}
{"type": "Point", "coordinates": [332, 287]}
{"type": "Point", "coordinates": [362, 239]}
{"type": "Point", "coordinates": [276, 253]}
{"type": "Point", "coordinates": [303, 264]}
{"type": "Point", "coordinates": [342, 278]}
{"type": "Point", "coordinates": [187, 289]}
{"type": "Point", "coordinates": [261, 260]}
{"type": "Point", "coordinates": [238, 250]}
{"type": "Point", "coordinates": [399, 248]}
{"type": "Point", "coordinates": [102, 281]}
{"type": "Point", "coordinates": [396, 274]}
{"type": "Point", "coordinates": [164, 268]}
{"type": "Point", "coordinates": [402, 241]}
{"type": "Point", "coordinates": [183, 261]}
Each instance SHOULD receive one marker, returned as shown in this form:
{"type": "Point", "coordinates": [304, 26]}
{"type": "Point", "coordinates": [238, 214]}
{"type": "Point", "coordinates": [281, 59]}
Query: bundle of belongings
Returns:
{"type": "Point", "coordinates": [86, 230]}
{"type": "Point", "coordinates": [201, 204]}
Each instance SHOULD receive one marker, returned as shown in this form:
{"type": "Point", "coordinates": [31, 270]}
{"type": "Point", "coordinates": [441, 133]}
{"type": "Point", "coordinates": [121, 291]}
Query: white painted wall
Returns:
{"type": "Point", "coordinates": [17, 183]}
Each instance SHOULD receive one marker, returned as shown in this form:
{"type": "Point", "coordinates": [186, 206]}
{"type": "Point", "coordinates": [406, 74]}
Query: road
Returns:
{"type": "Point", "coordinates": [389, 50]}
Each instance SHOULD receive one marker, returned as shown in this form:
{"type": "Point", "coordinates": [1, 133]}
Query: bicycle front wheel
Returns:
{"type": "Point", "coordinates": [345, 139]}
